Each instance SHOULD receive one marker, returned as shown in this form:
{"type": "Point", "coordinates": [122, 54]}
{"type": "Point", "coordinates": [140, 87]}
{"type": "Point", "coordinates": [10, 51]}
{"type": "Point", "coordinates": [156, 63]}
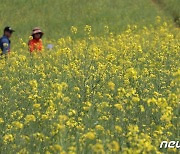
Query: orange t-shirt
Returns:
{"type": "Point", "coordinates": [35, 45]}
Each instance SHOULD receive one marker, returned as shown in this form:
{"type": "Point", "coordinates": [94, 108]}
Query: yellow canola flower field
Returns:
{"type": "Point", "coordinates": [98, 94]}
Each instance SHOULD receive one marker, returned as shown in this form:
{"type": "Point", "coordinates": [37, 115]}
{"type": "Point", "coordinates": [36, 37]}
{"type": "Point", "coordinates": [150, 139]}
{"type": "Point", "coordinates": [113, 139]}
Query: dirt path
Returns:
{"type": "Point", "coordinates": [161, 5]}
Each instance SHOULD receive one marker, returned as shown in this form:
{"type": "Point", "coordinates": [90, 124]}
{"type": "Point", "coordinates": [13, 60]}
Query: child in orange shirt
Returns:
{"type": "Point", "coordinates": [36, 43]}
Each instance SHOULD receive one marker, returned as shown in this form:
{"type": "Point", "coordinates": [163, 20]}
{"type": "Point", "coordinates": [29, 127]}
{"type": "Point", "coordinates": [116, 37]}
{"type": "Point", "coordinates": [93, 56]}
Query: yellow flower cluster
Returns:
{"type": "Point", "coordinates": [115, 93]}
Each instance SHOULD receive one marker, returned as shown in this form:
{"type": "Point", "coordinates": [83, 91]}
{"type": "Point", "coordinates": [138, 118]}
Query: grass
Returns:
{"type": "Point", "coordinates": [56, 17]}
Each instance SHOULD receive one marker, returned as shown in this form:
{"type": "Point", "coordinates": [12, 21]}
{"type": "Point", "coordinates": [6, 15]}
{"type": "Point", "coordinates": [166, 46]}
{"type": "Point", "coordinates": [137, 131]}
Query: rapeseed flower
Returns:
{"type": "Point", "coordinates": [8, 138]}
{"type": "Point", "coordinates": [115, 93]}
{"type": "Point", "coordinates": [113, 146]}
{"type": "Point", "coordinates": [30, 118]}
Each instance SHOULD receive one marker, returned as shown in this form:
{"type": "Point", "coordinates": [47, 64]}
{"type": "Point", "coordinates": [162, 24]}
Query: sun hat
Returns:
{"type": "Point", "coordinates": [37, 30]}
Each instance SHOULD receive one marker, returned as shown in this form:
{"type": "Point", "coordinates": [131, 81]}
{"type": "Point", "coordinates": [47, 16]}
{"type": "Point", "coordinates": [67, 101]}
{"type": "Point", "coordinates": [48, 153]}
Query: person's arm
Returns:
{"type": "Point", "coordinates": [6, 46]}
{"type": "Point", "coordinates": [31, 46]}
{"type": "Point", "coordinates": [40, 45]}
